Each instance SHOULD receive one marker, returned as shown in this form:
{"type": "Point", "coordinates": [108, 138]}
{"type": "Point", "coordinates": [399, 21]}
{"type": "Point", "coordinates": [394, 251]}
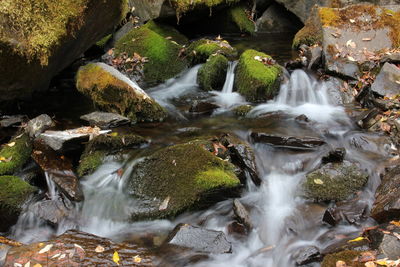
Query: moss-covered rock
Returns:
{"type": "Point", "coordinates": [334, 182]}
{"type": "Point", "coordinates": [350, 257]}
{"type": "Point", "coordinates": [211, 76]}
{"type": "Point", "coordinates": [167, 31]}
{"type": "Point", "coordinates": [199, 51]}
{"type": "Point", "coordinates": [311, 33]}
{"type": "Point", "coordinates": [241, 19]}
{"type": "Point", "coordinates": [163, 54]}
{"type": "Point", "coordinates": [15, 154]}
{"type": "Point", "coordinates": [13, 193]}
{"type": "Point", "coordinates": [101, 146]}
{"type": "Point", "coordinates": [182, 6]}
{"type": "Point", "coordinates": [111, 91]}
{"type": "Point", "coordinates": [256, 80]}
{"type": "Point", "coordinates": [242, 111]}
{"type": "Point", "coordinates": [179, 178]}
{"type": "Point", "coordinates": [40, 38]}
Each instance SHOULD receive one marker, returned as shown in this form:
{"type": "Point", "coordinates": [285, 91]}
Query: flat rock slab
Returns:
{"type": "Point", "coordinates": [75, 248]}
{"type": "Point", "coordinates": [387, 83]}
{"type": "Point", "coordinates": [8, 121]}
{"type": "Point", "coordinates": [290, 142]}
{"type": "Point", "coordinates": [105, 120]}
{"type": "Point", "coordinates": [199, 239]}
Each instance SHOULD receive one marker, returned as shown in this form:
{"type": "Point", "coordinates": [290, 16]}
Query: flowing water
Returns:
{"type": "Point", "coordinates": [283, 221]}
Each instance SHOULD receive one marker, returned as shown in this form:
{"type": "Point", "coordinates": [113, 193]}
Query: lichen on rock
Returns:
{"type": "Point", "coordinates": [211, 76]}
{"type": "Point", "coordinates": [256, 80]}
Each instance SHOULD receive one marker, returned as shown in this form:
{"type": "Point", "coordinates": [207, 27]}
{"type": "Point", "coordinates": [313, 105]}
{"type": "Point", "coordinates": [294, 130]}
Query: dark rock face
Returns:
{"type": "Point", "coordinates": [289, 142]}
{"type": "Point", "coordinates": [105, 120]}
{"type": "Point", "coordinates": [59, 169]}
{"type": "Point", "coordinates": [8, 121]}
{"type": "Point", "coordinates": [199, 239]}
{"type": "Point", "coordinates": [351, 211]}
{"type": "Point", "coordinates": [307, 255]}
{"type": "Point", "coordinates": [275, 19]}
{"type": "Point", "coordinates": [336, 155]}
{"type": "Point", "coordinates": [387, 83]}
{"type": "Point", "coordinates": [387, 201]}
{"type": "Point", "coordinates": [75, 248]}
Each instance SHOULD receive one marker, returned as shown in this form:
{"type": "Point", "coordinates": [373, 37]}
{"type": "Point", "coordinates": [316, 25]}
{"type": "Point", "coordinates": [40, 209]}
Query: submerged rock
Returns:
{"type": "Point", "coordinates": [211, 76]}
{"type": "Point", "coordinates": [334, 181]}
{"type": "Point", "coordinates": [13, 194]}
{"type": "Point", "coordinates": [179, 178]}
{"type": "Point", "coordinates": [256, 80]}
{"type": "Point", "coordinates": [39, 40]}
{"type": "Point", "coordinates": [387, 83]}
{"type": "Point", "coordinates": [241, 214]}
{"type": "Point", "coordinates": [199, 239]}
{"type": "Point", "coordinates": [38, 125]}
{"type": "Point", "coordinates": [203, 107]}
{"type": "Point", "coordinates": [15, 154]}
{"type": "Point", "coordinates": [242, 111]}
{"type": "Point", "coordinates": [74, 248]}
{"type": "Point", "coordinates": [111, 91]}
{"type": "Point", "coordinates": [289, 142]}
{"type": "Point", "coordinates": [105, 120]}
{"type": "Point", "coordinates": [387, 202]}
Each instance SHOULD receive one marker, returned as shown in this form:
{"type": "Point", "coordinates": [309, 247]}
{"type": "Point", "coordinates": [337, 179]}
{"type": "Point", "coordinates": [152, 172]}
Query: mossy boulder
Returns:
{"type": "Point", "coordinates": [15, 154]}
{"type": "Point", "coordinates": [154, 43]}
{"type": "Point", "coordinates": [180, 178]}
{"type": "Point", "coordinates": [101, 146]}
{"type": "Point", "coordinates": [40, 38]}
{"type": "Point", "coordinates": [111, 91]}
{"type": "Point", "coordinates": [334, 182]}
{"type": "Point", "coordinates": [350, 257]}
{"type": "Point", "coordinates": [211, 76]}
{"type": "Point", "coordinates": [238, 15]}
{"type": "Point", "coordinates": [256, 80]}
{"type": "Point", "coordinates": [199, 51]}
{"type": "Point", "coordinates": [243, 110]}
{"type": "Point", "coordinates": [13, 193]}
{"type": "Point", "coordinates": [183, 6]}
{"type": "Point", "coordinates": [167, 31]}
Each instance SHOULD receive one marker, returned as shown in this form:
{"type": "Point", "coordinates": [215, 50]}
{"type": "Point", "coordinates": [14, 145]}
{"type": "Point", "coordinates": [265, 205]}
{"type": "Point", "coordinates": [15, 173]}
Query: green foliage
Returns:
{"type": "Point", "coordinates": [240, 18]}
{"type": "Point", "coordinates": [255, 80]}
{"type": "Point", "coordinates": [211, 76]}
{"type": "Point", "coordinates": [15, 156]}
{"type": "Point", "coordinates": [13, 193]}
{"type": "Point", "coordinates": [163, 54]}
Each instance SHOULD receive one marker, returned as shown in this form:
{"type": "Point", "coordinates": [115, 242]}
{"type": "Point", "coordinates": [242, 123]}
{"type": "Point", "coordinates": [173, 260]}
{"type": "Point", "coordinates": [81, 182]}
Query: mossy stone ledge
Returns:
{"type": "Point", "coordinates": [212, 74]}
{"type": "Point", "coordinates": [181, 177]}
{"type": "Point", "coordinates": [255, 80]}
{"type": "Point", "coordinates": [200, 51]}
{"type": "Point", "coordinates": [240, 18]}
{"type": "Point", "coordinates": [111, 91]}
{"type": "Point", "coordinates": [15, 154]}
{"type": "Point", "coordinates": [154, 43]}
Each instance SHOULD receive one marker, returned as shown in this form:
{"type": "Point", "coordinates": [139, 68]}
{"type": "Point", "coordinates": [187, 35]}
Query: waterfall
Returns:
{"type": "Point", "coordinates": [230, 78]}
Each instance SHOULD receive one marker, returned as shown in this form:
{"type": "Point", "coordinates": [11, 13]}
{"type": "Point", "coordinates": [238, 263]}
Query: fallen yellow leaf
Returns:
{"type": "Point", "coordinates": [397, 223]}
{"type": "Point", "coordinates": [137, 259]}
{"type": "Point", "coordinates": [116, 257]}
{"type": "Point", "coordinates": [11, 144]}
{"type": "Point", "coordinates": [357, 239]}
{"type": "Point", "coordinates": [318, 181]}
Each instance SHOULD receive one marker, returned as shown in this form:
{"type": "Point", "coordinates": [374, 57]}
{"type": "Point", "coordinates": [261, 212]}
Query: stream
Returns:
{"type": "Point", "coordinates": [283, 220]}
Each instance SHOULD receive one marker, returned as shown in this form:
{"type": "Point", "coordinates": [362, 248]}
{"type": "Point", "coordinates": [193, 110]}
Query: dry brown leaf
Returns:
{"type": "Point", "coordinates": [99, 249]}
{"type": "Point", "coordinates": [366, 39]}
{"type": "Point", "coordinates": [341, 264]}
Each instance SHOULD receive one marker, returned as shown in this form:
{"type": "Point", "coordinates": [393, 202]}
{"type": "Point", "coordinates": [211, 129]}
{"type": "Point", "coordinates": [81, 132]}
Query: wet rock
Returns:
{"type": "Point", "coordinates": [390, 247]}
{"type": "Point", "coordinates": [242, 111]}
{"type": "Point", "coordinates": [59, 169]}
{"type": "Point", "coordinates": [105, 120]}
{"type": "Point", "coordinates": [202, 107]}
{"type": "Point", "coordinates": [200, 51]}
{"type": "Point", "coordinates": [336, 155]}
{"type": "Point", "coordinates": [8, 121]}
{"type": "Point", "coordinates": [101, 146]}
{"type": "Point", "coordinates": [368, 118]}
{"type": "Point", "coordinates": [38, 125]}
{"type": "Point", "coordinates": [352, 212]}
{"type": "Point", "coordinates": [289, 142]}
{"type": "Point", "coordinates": [13, 194]}
{"type": "Point", "coordinates": [237, 228]}
{"type": "Point", "coordinates": [307, 255]}
{"type": "Point", "coordinates": [334, 181]}
{"type": "Point", "coordinates": [58, 33]}
{"type": "Point", "coordinates": [211, 75]}
{"type": "Point", "coordinates": [111, 91]}
{"type": "Point", "coordinates": [15, 154]}
{"type": "Point", "coordinates": [275, 19]}
{"type": "Point", "coordinates": [199, 239]}
{"type": "Point", "coordinates": [387, 202]}
{"type": "Point", "coordinates": [387, 83]}
{"type": "Point", "coordinates": [315, 57]}
{"type": "Point", "coordinates": [241, 213]}
{"type": "Point", "coordinates": [69, 139]}
{"type": "Point", "coordinates": [75, 248]}
{"type": "Point", "coordinates": [384, 239]}
{"type": "Point", "coordinates": [256, 80]}
{"type": "Point", "coordinates": [52, 211]}
{"type": "Point", "coordinates": [181, 177]}
{"type": "Point", "coordinates": [302, 118]}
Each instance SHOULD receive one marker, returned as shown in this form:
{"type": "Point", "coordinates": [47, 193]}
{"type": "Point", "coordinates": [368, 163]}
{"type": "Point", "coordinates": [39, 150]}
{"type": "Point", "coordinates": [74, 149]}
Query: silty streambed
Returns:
{"type": "Point", "coordinates": [282, 219]}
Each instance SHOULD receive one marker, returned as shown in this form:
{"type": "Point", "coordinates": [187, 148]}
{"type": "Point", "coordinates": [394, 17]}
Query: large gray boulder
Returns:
{"type": "Point", "coordinates": [387, 83]}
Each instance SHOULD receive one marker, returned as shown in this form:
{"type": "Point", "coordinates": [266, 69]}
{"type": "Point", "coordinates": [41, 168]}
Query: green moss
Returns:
{"type": "Point", "coordinates": [13, 193]}
{"type": "Point", "coordinates": [241, 111]}
{"type": "Point", "coordinates": [348, 256]}
{"type": "Point", "coordinates": [309, 35]}
{"type": "Point", "coordinates": [338, 182]}
{"type": "Point", "coordinates": [254, 80]}
{"type": "Point", "coordinates": [182, 6]}
{"type": "Point", "coordinates": [211, 76]}
{"type": "Point", "coordinates": [167, 31]}
{"type": "Point", "coordinates": [241, 19]}
{"type": "Point", "coordinates": [111, 94]}
{"type": "Point", "coordinates": [14, 157]}
{"type": "Point", "coordinates": [200, 50]}
{"type": "Point", "coordinates": [159, 51]}
{"type": "Point", "coordinates": [185, 173]}
{"type": "Point", "coordinates": [90, 162]}
{"type": "Point", "coordinates": [102, 43]}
